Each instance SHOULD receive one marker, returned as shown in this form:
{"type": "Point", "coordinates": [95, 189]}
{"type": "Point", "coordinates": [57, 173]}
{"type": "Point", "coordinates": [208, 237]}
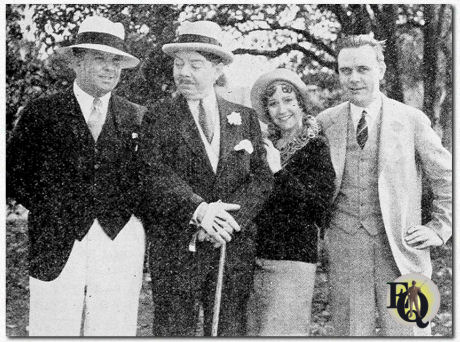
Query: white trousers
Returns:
{"type": "Point", "coordinates": [100, 284]}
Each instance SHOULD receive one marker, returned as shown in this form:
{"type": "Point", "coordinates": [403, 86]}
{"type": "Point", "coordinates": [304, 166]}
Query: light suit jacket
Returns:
{"type": "Point", "coordinates": [408, 148]}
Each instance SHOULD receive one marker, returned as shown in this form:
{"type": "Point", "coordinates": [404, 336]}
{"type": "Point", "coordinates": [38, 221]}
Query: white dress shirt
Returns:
{"type": "Point", "coordinates": [372, 111]}
{"type": "Point", "coordinates": [86, 101]}
{"type": "Point", "coordinates": [212, 149]}
{"type": "Point", "coordinates": [211, 108]}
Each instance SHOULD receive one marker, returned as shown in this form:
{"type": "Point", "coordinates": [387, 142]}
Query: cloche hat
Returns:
{"type": "Point", "coordinates": [98, 33]}
{"type": "Point", "coordinates": [198, 36]}
{"type": "Point", "coordinates": [264, 81]}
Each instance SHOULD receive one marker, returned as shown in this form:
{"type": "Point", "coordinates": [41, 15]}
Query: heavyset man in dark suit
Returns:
{"type": "Point", "coordinates": [71, 161]}
{"type": "Point", "coordinates": [200, 150]}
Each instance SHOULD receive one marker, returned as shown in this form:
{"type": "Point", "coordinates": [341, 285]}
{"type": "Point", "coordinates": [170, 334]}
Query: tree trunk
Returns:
{"type": "Point", "coordinates": [430, 62]}
{"type": "Point", "coordinates": [386, 22]}
{"type": "Point", "coordinates": [445, 117]}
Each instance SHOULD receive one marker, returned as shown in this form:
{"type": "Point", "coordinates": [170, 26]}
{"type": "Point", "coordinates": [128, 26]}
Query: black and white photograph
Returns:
{"type": "Point", "coordinates": [229, 170]}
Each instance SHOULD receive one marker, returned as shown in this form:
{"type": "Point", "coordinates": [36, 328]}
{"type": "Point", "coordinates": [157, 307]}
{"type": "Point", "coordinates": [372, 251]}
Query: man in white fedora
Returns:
{"type": "Point", "coordinates": [72, 161]}
{"type": "Point", "coordinates": [206, 180]}
{"type": "Point", "coordinates": [380, 148]}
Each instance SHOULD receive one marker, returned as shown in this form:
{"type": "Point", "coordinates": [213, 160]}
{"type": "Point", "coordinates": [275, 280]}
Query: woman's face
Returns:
{"type": "Point", "coordinates": [284, 108]}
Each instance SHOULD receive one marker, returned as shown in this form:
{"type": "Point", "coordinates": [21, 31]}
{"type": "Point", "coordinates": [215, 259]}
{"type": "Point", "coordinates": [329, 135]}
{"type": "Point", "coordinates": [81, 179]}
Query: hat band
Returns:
{"type": "Point", "coordinates": [196, 38]}
{"type": "Point", "coordinates": [102, 39]}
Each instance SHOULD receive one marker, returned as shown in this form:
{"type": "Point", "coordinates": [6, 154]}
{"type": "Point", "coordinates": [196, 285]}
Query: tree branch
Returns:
{"type": "Point", "coordinates": [308, 37]}
{"type": "Point", "coordinates": [286, 49]}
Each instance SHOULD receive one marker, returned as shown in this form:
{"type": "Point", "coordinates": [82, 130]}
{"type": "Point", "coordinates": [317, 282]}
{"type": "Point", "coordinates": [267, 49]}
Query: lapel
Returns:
{"type": "Point", "coordinates": [187, 128]}
{"type": "Point", "coordinates": [391, 133]}
{"type": "Point", "coordinates": [337, 135]}
{"type": "Point", "coordinates": [230, 135]}
{"type": "Point", "coordinates": [74, 118]}
{"type": "Point", "coordinates": [115, 121]}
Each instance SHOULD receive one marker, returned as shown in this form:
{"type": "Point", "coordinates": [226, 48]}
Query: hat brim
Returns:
{"type": "Point", "coordinates": [128, 61]}
{"type": "Point", "coordinates": [172, 48]}
{"type": "Point", "coordinates": [259, 87]}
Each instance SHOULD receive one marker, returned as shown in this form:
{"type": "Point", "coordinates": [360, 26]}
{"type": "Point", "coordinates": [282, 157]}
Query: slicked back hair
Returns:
{"type": "Point", "coordinates": [357, 41]}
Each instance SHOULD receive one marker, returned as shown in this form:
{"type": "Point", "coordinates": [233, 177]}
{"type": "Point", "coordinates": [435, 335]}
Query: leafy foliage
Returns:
{"type": "Point", "coordinates": [305, 33]}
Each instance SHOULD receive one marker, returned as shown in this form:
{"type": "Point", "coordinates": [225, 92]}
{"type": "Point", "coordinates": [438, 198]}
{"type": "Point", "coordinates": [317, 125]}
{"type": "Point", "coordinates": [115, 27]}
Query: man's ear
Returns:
{"type": "Point", "coordinates": [75, 62]}
{"type": "Point", "coordinates": [219, 70]}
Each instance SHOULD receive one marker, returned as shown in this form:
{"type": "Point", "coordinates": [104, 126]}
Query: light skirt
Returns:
{"type": "Point", "coordinates": [280, 303]}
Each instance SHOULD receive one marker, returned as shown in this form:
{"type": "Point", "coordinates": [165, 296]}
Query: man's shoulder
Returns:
{"type": "Point", "coordinates": [46, 107]}
{"type": "Point", "coordinates": [164, 114]}
{"type": "Point", "coordinates": [327, 116]}
{"type": "Point", "coordinates": [404, 110]}
{"type": "Point", "coordinates": [125, 102]}
{"type": "Point", "coordinates": [133, 110]}
{"type": "Point", "coordinates": [51, 100]}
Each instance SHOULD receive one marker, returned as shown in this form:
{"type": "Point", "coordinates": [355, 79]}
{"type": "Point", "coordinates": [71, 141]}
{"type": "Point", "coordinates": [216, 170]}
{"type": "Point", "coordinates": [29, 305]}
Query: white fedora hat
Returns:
{"type": "Point", "coordinates": [198, 36]}
{"type": "Point", "coordinates": [98, 33]}
{"type": "Point", "coordinates": [263, 82]}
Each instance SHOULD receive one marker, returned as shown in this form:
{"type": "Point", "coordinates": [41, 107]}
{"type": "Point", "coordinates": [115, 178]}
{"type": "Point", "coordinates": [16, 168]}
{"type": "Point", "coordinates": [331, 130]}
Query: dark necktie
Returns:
{"type": "Point", "coordinates": [96, 118]}
{"type": "Point", "coordinates": [361, 131]}
{"type": "Point", "coordinates": [205, 122]}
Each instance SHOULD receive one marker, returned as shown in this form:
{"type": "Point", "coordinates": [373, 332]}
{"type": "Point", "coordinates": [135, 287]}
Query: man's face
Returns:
{"type": "Point", "coordinates": [194, 75]}
{"type": "Point", "coordinates": [97, 72]}
{"type": "Point", "coordinates": [360, 74]}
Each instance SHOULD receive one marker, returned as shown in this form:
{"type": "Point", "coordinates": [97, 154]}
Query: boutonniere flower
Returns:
{"type": "Point", "coordinates": [234, 118]}
{"type": "Point", "coordinates": [135, 136]}
{"type": "Point", "coordinates": [245, 145]}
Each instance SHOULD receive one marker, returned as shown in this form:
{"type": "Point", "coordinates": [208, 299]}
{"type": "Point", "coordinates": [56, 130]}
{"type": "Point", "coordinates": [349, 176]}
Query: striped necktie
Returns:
{"type": "Point", "coordinates": [205, 122]}
{"type": "Point", "coordinates": [96, 118]}
{"type": "Point", "coordinates": [361, 131]}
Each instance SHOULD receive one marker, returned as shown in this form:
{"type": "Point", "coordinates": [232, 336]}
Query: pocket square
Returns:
{"type": "Point", "coordinates": [234, 118]}
{"type": "Point", "coordinates": [244, 145]}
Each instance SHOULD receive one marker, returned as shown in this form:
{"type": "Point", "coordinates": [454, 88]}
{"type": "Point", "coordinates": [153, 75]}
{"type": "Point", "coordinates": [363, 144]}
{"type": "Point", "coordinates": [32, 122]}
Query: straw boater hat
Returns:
{"type": "Point", "coordinates": [98, 33]}
{"type": "Point", "coordinates": [264, 81]}
{"type": "Point", "coordinates": [205, 36]}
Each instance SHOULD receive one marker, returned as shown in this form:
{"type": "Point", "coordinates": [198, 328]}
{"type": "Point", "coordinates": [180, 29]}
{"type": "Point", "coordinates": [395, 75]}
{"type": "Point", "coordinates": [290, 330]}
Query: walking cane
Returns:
{"type": "Point", "coordinates": [217, 298]}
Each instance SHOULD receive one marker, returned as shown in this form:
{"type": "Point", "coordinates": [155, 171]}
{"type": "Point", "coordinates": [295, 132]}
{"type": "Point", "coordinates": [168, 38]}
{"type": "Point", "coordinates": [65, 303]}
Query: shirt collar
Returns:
{"type": "Point", "coordinates": [372, 110]}
{"type": "Point", "coordinates": [209, 101]}
{"type": "Point", "coordinates": [85, 100]}
{"type": "Point", "coordinates": [209, 104]}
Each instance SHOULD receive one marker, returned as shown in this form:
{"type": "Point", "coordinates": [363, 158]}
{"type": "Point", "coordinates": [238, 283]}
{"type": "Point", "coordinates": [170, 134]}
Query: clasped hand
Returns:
{"type": "Point", "coordinates": [218, 224]}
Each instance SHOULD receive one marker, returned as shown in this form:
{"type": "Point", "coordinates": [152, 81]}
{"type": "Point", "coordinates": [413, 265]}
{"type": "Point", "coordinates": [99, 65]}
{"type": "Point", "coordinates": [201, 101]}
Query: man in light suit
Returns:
{"type": "Point", "coordinates": [72, 161]}
{"type": "Point", "coordinates": [206, 178]}
{"type": "Point", "coordinates": [380, 148]}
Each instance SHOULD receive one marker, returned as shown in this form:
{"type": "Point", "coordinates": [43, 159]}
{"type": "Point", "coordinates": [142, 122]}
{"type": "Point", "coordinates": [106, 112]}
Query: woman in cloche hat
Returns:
{"type": "Point", "coordinates": [287, 252]}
